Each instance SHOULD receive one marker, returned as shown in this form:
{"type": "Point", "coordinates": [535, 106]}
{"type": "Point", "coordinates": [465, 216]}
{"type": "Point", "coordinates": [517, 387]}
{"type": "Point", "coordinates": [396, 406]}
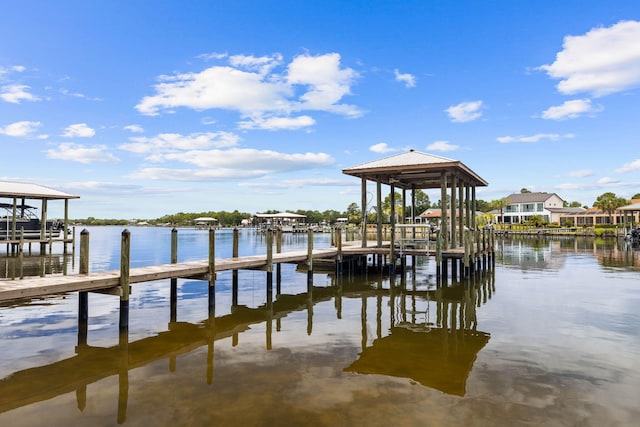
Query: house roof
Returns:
{"type": "Point", "coordinates": [414, 169]}
{"type": "Point", "coordinates": [530, 197]}
{"type": "Point", "coordinates": [31, 191]}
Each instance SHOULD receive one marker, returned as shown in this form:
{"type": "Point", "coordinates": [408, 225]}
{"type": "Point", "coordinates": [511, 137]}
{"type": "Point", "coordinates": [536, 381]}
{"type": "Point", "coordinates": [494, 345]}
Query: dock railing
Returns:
{"type": "Point", "coordinates": [414, 236]}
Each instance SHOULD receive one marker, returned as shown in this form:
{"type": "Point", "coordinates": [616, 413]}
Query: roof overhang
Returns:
{"type": "Point", "coordinates": [418, 171]}
{"type": "Point", "coordinates": [31, 191]}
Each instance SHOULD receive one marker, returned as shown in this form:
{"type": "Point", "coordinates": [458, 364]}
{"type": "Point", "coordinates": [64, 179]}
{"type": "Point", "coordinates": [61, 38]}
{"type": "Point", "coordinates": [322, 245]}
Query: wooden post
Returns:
{"type": "Point", "coordinates": [65, 226]}
{"type": "Point", "coordinates": [444, 221]}
{"type": "Point", "coordinates": [269, 265]}
{"type": "Point", "coordinates": [310, 256]}
{"type": "Point", "coordinates": [439, 242]}
{"type": "Point", "coordinates": [173, 292]}
{"type": "Point", "coordinates": [84, 252]}
{"type": "Point", "coordinates": [363, 201]}
{"type": "Point", "coordinates": [278, 266]}
{"type": "Point", "coordinates": [338, 234]}
{"type": "Point", "coordinates": [212, 270]}
{"type": "Point", "coordinates": [43, 227]}
{"type": "Point", "coordinates": [454, 220]}
{"type": "Point", "coordinates": [465, 243]}
{"type": "Point", "coordinates": [125, 248]}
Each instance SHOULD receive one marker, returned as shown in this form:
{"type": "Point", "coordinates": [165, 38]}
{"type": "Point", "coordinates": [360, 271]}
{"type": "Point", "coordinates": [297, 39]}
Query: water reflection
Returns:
{"type": "Point", "coordinates": [436, 352]}
{"type": "Point", "coordinates": [550, 253]}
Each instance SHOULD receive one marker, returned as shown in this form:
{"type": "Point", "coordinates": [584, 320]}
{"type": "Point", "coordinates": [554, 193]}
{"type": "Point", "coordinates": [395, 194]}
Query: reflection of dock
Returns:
{"type": "Point", "coordinates": [455, 317]}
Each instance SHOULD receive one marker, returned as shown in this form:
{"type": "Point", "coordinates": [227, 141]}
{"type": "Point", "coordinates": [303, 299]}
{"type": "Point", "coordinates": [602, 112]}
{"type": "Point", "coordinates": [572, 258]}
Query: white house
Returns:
{"type": "Point", "coordinates": [522, 206]}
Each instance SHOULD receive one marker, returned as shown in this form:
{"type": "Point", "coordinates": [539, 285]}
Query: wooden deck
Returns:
{"type": "Point", "coordinates": [36, 287]}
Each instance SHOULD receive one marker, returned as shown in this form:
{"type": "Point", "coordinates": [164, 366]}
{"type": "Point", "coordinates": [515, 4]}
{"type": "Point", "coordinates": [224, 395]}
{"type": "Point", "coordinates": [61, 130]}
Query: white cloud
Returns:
{"type": "Point", "coordinates": [442, 146]}
{"type": "Point", "coordinates": [251, 86]}
{"type": "Point", "coordinates": [298, 183]}
{"type": "Point", "coordinates": [327, 83]}
{"type": "Point", "coordinates": [534, 138]}
{"type": "Point", "coordinates": [629, 167]}
{"type": "Point", "coordinates": [16, 93]}
{"type": "Point", "coordinates": [262, 64]}
{"type": "Point", "coordinates": [246, 163]}
{"type": "Point", "coordinates": [277, 123]}
{"type": "Point", "coordinates": [607, 181]}
{"type": "Point", "coordinates": [605, 60]}
{"type": "Point", "coordinates": [582, 173]}
{"type": "Point", "coordinates": [172, 142]}
{"type": "Point", "coordinates": [408, 79]}
{"type": "Point", "coordinates": [570, 110]}
{"type": "Point", "coordinates": [20, 129]}
{"type": "Point", "coordinates": [134, 128]}
{"type": "Point", "coordinates": [212, 55]}
{"type": "Point", "coordinates": [381, 147]}
{"type": "Point", "coordinates": [465, 111]}
{"type": "Point", "coordinates": [81, 153]}
{"type": "Point", "coordinates": [79, 130]}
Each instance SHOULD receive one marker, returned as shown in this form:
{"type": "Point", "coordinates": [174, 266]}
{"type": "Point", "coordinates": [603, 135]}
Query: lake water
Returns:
{"type": "Point", "coordinates": [550, 337]}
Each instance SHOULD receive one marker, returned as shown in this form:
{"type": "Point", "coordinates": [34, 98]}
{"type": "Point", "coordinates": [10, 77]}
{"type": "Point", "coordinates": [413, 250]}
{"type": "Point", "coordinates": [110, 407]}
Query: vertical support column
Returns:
{"type": "Point", "coordinates": [269, 266]}
{"type": "Point", "coordinates": [392, 223]}
{"type": "Point", "coordinates": [454, 220]}
{"type": "Point", "coordinates": [461, 218]}
{"type": "Point", "coordinates": [125, 248]}
{"type": "Point", "coordinates": [467, 204]}
{"type": "Point", "coordinates": [65, 226]}
{"type": "Point", "coordinates": [234, 254]}
{"type": "Point", "coordinates": [339, 247]}
{"type": "Point", "coordinates": [212, 271]}
{"type": "Point", "coordinates": [413, 211]}
{"type": "Point", "coordinates": [474, 209]}
{"type": "Point", "coordinates": [363, 201]}
{"type": "Point", "coordinates": [444, 228]}
{"type": "Point", "coordinates": [279, 265]}
{"type": "Point", "coordinates": [173, 293]}
{"type": "Point", "coordinates": [379, 213]}
{"type": "Point", "coordinates": [43, 227]}
{"type": "Point", "coordinates": [83, 297]}
{"type": "Point", "coordinates": [310, 257]}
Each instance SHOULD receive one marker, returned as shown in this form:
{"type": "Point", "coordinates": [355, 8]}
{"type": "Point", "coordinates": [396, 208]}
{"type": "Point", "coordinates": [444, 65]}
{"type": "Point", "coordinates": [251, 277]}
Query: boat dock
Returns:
{"type": "Point", "coordinates": [119, 282]}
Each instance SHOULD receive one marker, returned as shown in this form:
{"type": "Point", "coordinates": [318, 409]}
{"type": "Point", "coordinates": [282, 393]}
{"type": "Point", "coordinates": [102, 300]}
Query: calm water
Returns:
{"type": "Point", "coordinates": [551, 337]}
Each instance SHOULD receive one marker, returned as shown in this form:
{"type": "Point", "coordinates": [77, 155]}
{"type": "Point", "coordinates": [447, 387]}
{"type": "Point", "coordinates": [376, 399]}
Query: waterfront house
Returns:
{"type": "Point", "coordinates": [522, 206]}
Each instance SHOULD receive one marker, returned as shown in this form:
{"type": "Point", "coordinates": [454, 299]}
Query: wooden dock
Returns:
{"type": "Point", "coordinates": [118, 282]}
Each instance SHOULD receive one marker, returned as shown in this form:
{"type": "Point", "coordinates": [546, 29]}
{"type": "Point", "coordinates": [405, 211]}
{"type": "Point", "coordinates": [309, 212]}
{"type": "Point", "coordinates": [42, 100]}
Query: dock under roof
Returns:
{"type": "Point", "coordinates": [415, 170]}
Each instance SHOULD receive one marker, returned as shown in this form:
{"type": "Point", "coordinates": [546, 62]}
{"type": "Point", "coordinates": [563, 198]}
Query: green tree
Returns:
{"type": "Point", "coordinates": [608, 202]}
{"type": "Point", "coordinates": [636, 196]}
{"type": "Point", "coordinates": [386, 204]}
{"type": "Point", "coordinates": [524, 190]}
{"type": "Point", "coordinates": [499, 205]}
{"type": "Point", "coordinates": [353, 213]}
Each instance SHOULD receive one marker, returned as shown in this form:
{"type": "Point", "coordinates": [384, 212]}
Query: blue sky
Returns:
{"type": "Point", "coordinates": [146, 108]}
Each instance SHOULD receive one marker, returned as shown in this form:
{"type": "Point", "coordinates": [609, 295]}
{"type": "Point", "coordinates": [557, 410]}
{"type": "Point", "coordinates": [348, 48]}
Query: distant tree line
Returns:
{"type": "Point", "coordinates": [607, 202]}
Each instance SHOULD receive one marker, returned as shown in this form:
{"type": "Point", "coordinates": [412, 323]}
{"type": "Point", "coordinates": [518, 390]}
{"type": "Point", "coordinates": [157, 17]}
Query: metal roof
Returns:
{"type": "Point", "coordinates": [31, 191]}
{"type": "Point", "coordinates": [530, 197]}
{"type": "Point", "coordinates": [414, 169]}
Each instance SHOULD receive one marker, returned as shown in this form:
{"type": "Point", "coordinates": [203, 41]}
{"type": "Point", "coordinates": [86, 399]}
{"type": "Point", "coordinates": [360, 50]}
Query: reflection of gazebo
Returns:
{"type": "Point", "coordinates": [438, 359]}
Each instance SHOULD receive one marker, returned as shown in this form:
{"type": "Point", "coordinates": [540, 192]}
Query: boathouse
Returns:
{"type": "Point", "coordinates": [413, 171]}
{"type": "Point", "coordinates": [16, 198]}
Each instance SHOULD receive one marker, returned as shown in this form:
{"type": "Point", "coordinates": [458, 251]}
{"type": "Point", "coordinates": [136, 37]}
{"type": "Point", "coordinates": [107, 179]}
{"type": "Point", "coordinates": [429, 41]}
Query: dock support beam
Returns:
{"type": "Point", "coordinates": [125, 248]}
{"type": "Point", "coordinates": [212, 270]}
{"type": "Point", "coordinates": [83, 296]}
{"type": "Point", "coordinates": [173, 292]}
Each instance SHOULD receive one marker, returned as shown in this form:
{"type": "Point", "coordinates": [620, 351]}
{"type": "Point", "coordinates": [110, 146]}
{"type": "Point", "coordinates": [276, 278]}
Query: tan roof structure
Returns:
{"type": "Point", "coordinates": [414, 169]}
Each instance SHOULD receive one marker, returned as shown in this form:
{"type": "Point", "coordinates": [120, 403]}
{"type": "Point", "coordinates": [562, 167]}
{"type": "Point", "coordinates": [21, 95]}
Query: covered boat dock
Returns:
{"type": "Point", "coordinates": [414, 170]}
{"type": "Point", "coordinates": [15, 196]}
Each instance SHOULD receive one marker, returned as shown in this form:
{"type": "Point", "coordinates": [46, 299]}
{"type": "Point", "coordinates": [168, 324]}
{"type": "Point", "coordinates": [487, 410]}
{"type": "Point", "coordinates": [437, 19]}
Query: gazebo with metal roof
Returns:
{"type": "Point", "coordinates": [22, 191]}
{"type": "Point", "coordinates": [415, 170]}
